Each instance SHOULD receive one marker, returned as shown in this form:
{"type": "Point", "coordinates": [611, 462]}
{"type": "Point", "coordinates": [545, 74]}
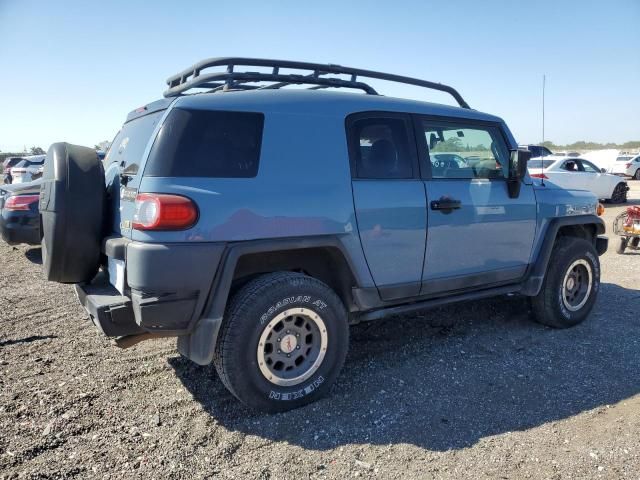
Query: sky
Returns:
{"type": "Point", "coordinates": [72, 70]}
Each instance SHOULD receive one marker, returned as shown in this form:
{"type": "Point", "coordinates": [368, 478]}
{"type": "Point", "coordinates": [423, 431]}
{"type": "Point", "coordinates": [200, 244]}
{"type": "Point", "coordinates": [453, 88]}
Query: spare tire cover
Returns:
{"type": "Point", "coordinates": [72, 204]}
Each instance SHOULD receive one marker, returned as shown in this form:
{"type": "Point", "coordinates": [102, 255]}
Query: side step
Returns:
{"type": "Point", "coordinates": [436, 302]}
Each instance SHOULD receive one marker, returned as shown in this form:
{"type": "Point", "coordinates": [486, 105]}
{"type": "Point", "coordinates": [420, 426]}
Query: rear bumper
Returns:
{"type": "Point", "coordinates": [118, 315]}
{"type": "Point", "coordinates": [166, 287]}
{"type": "Point", "coordinates": [20, 227]}
{"type": "Point", "coordinates": [111, 312]}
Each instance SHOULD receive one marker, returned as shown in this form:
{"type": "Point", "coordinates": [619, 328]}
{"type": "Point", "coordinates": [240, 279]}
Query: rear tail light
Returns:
{"type": "Point", "coordinates": [160, 211]}
{"type": "Point", "coordinates": [627, 165]}
{"type": "Point", "coordinates": [20, 202]}
{"type": "Point", "coordinates": [539, 175]}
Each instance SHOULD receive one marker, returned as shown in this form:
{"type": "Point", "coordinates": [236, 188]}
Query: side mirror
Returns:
{"type": "Point", "coordinates": [603, 170]}
{"type": "Point", "coordinates": [517, 171]}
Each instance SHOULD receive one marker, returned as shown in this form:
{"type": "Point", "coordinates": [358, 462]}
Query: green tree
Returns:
{"type": "Point", "coordinates": [451, 144]}
{"type": "Point", "coordinates": [37, 151]}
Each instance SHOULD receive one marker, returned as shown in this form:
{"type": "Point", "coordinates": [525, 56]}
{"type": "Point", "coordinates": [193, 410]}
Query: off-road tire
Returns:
{"type": "Point", "coordinates": [250, 312]}
{"type": "Point", "coordinates": [548, 306]}
{"type": "Point", "coordinates": [621, 245]}
{"type": "Point", "coordinates": [635, 241]}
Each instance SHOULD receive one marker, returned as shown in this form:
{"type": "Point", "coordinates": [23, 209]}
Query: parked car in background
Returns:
{"type": "Point", "coordinates": [7, 165]}
{"type": "Point", "coordinates": [627, 166]}
{"type": "Point", "coordinates": [566, 154]}
{"type": "Point", "coordinates": [537, 150]}
{"type": "Point", "coordinates": [28, 169]}
{"type": "Point", "coordinates": [19, 213]}
{"type": "Point", "coordinates": [578, 173]}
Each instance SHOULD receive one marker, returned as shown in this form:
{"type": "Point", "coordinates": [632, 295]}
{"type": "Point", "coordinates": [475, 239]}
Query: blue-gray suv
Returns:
{"type": "Point", "coordinates": [255, 219]}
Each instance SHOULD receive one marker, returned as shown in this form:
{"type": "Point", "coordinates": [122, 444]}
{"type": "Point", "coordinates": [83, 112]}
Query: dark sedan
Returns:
{"type": "Point", "coordinates": [19, 214]}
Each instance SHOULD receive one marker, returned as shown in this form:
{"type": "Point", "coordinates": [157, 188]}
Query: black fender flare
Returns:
{"type": "Point", "coordinates": [538, 268]}
{"type": "Point", "coordinates": [200, 344]}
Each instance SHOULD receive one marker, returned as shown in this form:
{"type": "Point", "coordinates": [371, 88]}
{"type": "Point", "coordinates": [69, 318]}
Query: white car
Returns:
{"type": "Point", "coordinates": [627, 165]}
{"type": "Point", "coordinates": [28, 169]}
{"type": "Point", "coordinates": [581, 174]}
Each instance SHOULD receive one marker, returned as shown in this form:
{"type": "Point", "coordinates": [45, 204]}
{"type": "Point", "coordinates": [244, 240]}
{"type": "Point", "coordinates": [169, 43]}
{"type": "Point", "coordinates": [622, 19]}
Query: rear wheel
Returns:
{"type": "Point", "coordinates": [283, 341]}
{"type": "Point", "coordinates": [637, 175]}
{"type": "Point", "coordinates": [635, 241]}
{"type": "Point", "coordinates": [570, 286]}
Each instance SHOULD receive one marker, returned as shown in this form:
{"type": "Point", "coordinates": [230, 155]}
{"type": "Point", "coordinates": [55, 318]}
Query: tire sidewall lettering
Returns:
{"type": "Point", "coordinates": [285, 396]}
{"type": "Point", "coordinates": [295, 392]}
{"type": "Point", "coordinates": [287, 302]}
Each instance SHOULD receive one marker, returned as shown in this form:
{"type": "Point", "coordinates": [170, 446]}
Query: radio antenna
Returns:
{"type": "Point", "coordinates": [544, 78]}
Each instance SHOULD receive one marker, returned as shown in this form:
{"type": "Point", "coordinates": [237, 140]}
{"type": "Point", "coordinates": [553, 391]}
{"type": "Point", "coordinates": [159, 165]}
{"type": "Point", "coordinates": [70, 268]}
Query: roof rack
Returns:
{"type": "Point", "coordinates": [230, 79]}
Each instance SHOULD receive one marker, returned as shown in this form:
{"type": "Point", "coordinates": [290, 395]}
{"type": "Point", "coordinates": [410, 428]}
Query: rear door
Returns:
{"type": "Point", "coordinates": [477, 235]}
{"type": "Point", "coordinates": [389, 200]}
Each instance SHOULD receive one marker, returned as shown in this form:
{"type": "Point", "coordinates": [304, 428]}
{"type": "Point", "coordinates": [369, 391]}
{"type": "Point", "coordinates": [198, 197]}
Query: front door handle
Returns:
{"type": "Point", "coordinates": [445, 204]}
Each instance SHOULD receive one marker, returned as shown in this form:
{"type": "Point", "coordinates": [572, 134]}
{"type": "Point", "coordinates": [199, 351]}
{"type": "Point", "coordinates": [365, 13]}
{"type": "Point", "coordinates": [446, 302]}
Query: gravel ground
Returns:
{"type": "Point", "coordinates": [495, 395]}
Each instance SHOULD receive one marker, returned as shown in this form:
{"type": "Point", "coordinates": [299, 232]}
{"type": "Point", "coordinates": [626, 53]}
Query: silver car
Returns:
{"type": "Point", "coordinates": [28, 169]}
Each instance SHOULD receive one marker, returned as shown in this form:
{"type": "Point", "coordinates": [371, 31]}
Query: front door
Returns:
{"type": "Point", "coordinates": [389, 200]}
{"type": "Point", "coordinates": [477, 235]}
{"type": "Point", "coordinates": [601, 187]}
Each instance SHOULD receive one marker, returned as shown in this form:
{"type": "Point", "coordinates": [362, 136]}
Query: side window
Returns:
{"type": "Point", "coordinates": [570, 166]}
{"type": "Point", "coordinates": [380, 148]}
{"type": "Point", "coordinates": [589, 167]}
{"type": "Point", "coordinates": [465, 151]}
{"type": "Point", "coordinates": [129, 145]}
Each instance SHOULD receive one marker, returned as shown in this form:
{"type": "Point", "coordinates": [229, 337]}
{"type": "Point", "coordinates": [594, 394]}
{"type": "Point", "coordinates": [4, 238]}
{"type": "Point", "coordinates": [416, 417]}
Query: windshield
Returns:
{"type": "Point", "coordinates": [623, 159]}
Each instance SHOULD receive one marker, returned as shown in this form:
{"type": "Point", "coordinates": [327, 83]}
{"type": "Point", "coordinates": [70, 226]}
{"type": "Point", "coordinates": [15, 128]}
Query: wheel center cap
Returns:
{"type": "Point", "coordinates": [289, 343]}
{"type": "Point", "coordinates": [571, 283]}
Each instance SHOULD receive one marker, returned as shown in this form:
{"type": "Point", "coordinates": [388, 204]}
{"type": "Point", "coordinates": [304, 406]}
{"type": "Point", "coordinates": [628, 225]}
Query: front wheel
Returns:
{"type": "Point", "coordinates": [570, 286]}
{"type": "Point", "coordinates": [283, 341]}
{"type": "Point", "coordinates": [619, 194]}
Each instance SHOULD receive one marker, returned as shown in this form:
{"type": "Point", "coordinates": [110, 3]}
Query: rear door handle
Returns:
{"type": "Point", "coordinates": [445, 204]}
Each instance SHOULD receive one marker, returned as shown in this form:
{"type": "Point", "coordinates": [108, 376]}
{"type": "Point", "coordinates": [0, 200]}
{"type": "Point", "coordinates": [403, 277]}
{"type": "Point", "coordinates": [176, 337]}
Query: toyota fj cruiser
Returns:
{"type": "Point", "coordinates": [255, 222]}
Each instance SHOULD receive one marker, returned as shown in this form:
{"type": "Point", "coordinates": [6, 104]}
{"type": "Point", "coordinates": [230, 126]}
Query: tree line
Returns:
{"type": "Point", "coordinates": [583, 145]}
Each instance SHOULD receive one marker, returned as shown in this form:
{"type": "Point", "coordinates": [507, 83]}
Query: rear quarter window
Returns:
{"type": "Point", "coordinates": [207, 143]}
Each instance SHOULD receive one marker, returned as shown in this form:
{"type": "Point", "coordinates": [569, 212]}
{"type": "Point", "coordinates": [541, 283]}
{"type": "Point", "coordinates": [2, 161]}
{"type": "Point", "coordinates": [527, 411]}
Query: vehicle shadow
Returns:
{"type": "Point", "coordinates": [493, 371]}
{"type": "Point", "coordinates": [34, 255]}
{"type": "Point", "coordinates": [33, 338]}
